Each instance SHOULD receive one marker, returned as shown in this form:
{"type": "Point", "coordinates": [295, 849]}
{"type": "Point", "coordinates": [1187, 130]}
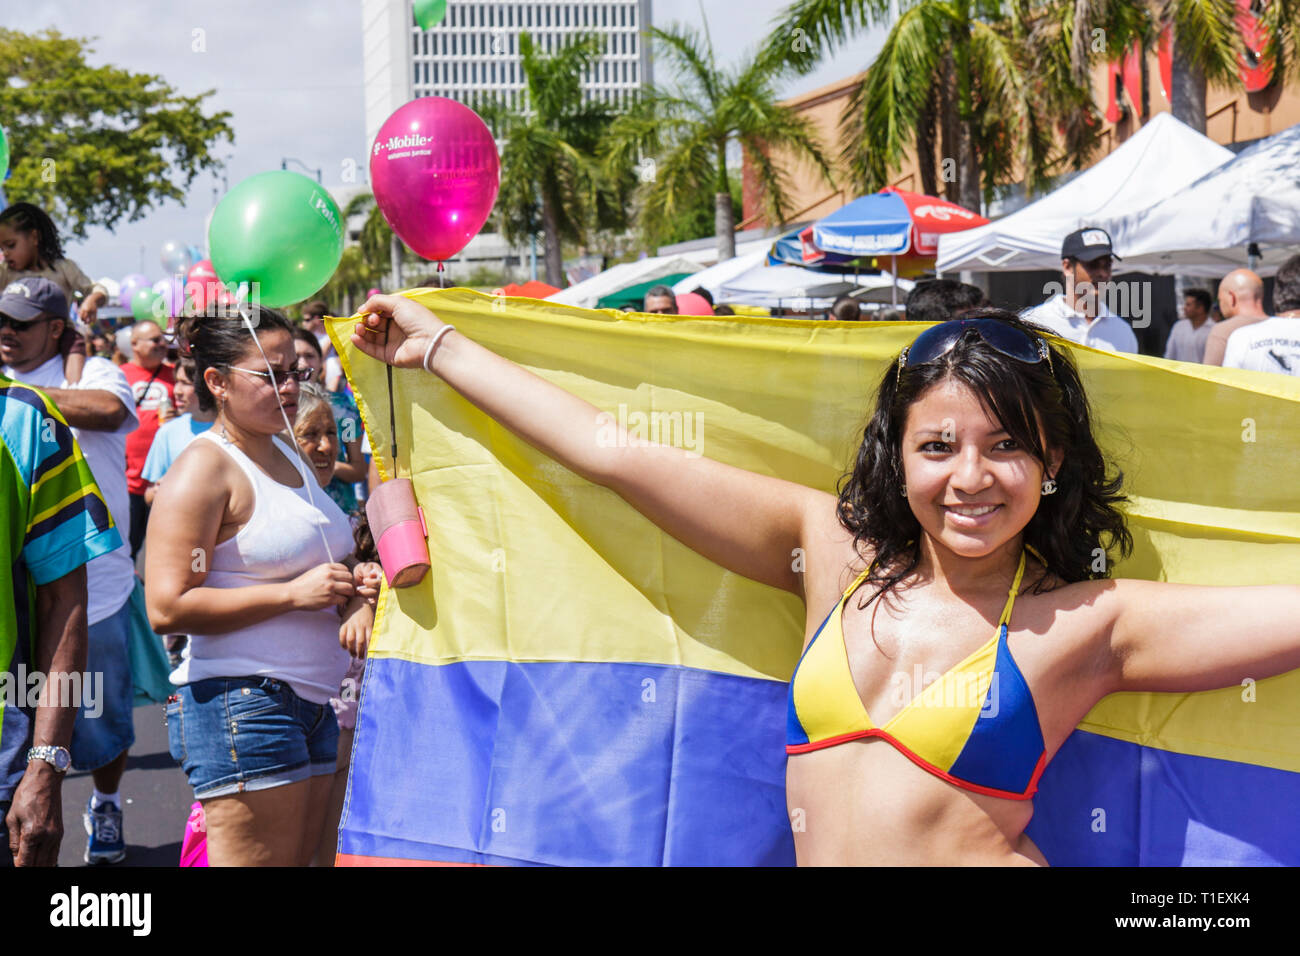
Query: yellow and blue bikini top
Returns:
{"type": "Point", "coordinates": [976, 726]}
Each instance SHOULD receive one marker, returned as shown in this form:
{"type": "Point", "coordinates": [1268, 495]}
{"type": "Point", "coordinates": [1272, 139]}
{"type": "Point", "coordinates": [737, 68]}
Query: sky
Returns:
{"type": "Point", "coordinates": [291, 73]}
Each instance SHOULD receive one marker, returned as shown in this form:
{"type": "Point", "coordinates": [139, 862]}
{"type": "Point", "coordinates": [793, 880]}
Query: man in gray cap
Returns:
{"type": "Point", "coordinates": [1079, 313]}
{"type": "Point", "coordinates": [101, 410]}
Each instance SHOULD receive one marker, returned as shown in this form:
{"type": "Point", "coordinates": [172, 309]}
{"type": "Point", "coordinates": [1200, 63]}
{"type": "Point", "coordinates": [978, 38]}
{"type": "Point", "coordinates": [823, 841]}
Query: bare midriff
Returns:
{"type": "Point", "coordinates": [862, 803]}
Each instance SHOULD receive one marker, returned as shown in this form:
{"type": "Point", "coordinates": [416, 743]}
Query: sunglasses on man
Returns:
{"type": "Point", "coordinates": [21, 325]}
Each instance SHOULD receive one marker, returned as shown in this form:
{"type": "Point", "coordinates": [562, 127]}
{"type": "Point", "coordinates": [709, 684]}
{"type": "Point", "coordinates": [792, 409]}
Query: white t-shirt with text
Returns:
{"type": "Point", "coordinates": [1272, 345]}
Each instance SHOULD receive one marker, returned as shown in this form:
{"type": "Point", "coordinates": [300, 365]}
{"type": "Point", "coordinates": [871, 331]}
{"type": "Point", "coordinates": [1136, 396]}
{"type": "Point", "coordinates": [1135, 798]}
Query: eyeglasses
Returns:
{"type": "Point", "coordinates": [998, 335]}
{"type": "Point", "coordinates": [281, 377]}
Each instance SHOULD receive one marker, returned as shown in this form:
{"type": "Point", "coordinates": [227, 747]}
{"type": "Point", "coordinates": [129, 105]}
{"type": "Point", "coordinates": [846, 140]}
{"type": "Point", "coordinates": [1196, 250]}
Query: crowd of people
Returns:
{"type": "Point", "coordinates": [263, 617]}
{"type": "Point", "coordinates": [1080, 311]}
{"type": "Point", "coordinates": [228, 459]}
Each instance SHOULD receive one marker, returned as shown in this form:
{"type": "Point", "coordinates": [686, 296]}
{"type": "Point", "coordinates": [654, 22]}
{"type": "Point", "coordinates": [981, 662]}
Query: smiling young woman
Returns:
{"type": "Point", "coordinates": [922, 714]}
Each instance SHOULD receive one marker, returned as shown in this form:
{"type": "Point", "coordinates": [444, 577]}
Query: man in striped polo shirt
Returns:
{"type": "Point", "coordinates": [57, 522]}
{"type": "Point", "coordinates": [100, 408]}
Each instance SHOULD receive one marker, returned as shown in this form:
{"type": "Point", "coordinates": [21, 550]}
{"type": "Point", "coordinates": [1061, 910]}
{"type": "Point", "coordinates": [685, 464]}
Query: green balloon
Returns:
{"type": "Point", "coordinates": [147, 305]}
{"type": "Point", "coordinates": [429, 13]}
{"type": "Point", "coordinates": [4, 153]}
{"type": "Point", "coordinates": [279, 230]}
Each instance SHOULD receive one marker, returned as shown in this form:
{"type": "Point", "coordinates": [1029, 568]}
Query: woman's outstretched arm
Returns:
{"type": "Point", "coordinates": [1182, 637]}
{"type": "Point", "coordinates": [748, 523]}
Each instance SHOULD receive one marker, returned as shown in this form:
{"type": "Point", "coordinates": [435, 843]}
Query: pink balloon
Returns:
{"type": "Point", "coordinates": [202, 284]}
{"type": "Point", "coordinates": [691, 303]}
{"type": "Point", "coordinates": [435, 172]}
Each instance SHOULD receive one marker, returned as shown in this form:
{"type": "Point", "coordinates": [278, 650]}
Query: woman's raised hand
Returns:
{"type": "Point", "coordinates": [410, 329]}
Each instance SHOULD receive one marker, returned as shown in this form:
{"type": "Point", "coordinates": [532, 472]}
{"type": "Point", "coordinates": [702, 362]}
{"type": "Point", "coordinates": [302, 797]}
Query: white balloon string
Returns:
{"type": "Point", "coordinates": [307, 480]}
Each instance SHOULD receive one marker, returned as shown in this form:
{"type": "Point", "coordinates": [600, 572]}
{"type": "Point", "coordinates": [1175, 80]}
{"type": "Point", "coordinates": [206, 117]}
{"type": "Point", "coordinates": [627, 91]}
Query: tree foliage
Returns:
{"type": "Point", "coordinates": [96, 146]}
{"type": "Point", "coordinates": [551, 181]}
{"type": "Point", "coordinates": [679, 135]}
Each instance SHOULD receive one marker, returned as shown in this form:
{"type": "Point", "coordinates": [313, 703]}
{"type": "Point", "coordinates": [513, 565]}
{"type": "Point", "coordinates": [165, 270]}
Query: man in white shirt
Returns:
{"type": "Point", "coordinates": [101, 410]}
{"type": "Point", "coordinates": [1079, 313]}
{"type": "Point", "coordinates": [1190, 333]}
{"type": "Point", "coordinates": [1272, 344]}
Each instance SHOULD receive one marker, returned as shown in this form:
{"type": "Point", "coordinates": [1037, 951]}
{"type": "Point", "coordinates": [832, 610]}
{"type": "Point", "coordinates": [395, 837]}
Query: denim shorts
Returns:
{"type": "Point", "coordinates": [105, 724]}
{"type": "Point", "coordinates": [232, 734]}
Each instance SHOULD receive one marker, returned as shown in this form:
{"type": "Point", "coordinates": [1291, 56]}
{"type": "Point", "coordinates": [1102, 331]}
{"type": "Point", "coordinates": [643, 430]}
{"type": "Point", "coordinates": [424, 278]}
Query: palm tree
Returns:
{"type": "Point", "coordinates": [353, 277]}
{"type": "Point", "coordinates": [989, 87]}
{"type": "Point", "coordinates": [685, 131]}
{"type": "Point", "coordinates": [1206, 42]}
{"type": "Point", "coordinates": [376, 235]}
{"type": "Point", "coordinates": [551, 181]}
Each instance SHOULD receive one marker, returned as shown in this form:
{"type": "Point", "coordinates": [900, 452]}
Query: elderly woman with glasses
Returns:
{"type": "Point", "coordinates": [963, 542]}
{"type": "Point", "coordinates": [351, 466]}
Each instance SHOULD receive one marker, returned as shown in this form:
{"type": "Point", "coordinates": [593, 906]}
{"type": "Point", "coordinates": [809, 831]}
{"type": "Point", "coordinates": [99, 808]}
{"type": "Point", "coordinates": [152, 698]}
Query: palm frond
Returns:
{"type": "Point", "coordinates": [808, 31]}
{"type": "Point", "coordinates": [1206, 34]}
{"type": "Point", "coordinates": [880, 117]}
{"type": "Point", "coordinates": [682, 48]}
{"type": "Point", "coordinates": [1281, 20]}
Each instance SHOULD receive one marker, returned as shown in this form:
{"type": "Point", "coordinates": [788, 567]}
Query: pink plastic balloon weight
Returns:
{"type": "Point", "coordinates": [435, 172]}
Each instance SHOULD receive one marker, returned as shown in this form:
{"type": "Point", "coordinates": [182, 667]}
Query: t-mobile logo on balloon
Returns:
{"type": "Point", "coordinates": [405, 142]}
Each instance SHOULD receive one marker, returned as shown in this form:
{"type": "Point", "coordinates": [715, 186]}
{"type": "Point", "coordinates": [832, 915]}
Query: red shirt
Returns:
{"type": "Point", "coordinates": [138, 442]}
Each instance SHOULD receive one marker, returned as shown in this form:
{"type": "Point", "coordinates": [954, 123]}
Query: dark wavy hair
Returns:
{"type": "Point", "coordinates": [219, 341]}
{"type": "Point", "coordinates": [1067, 529]}
{"type": "Point", "coordinates": [26, 217]}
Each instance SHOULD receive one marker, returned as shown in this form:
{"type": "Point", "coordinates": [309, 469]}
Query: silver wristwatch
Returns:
{"type": "Point", "coordinates": [57, 757]}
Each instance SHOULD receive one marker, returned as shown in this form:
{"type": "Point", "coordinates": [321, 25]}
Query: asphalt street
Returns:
{"type": "Point", "coordinates": [156, 800]}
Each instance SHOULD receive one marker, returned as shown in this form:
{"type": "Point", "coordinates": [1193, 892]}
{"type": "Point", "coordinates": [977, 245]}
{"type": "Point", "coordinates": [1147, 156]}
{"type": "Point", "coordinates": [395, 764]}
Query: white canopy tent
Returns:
{"type": "Point", "coordinates": [1207, 228]}
{"type": "Point", "coordinates": [714, 277]}
{"type": "Point", "coordinates": [1161, 158]}
{"type": "Point", "coordinates": [709, 256]}
{"type": "Point", "coordinates": [789, 287]}
{"type": "Point", "coordinates": [588, 292]}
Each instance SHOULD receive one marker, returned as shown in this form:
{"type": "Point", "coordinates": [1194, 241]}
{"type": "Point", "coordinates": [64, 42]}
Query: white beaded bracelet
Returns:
{"type": "Point", "coordinates": [428, 354]}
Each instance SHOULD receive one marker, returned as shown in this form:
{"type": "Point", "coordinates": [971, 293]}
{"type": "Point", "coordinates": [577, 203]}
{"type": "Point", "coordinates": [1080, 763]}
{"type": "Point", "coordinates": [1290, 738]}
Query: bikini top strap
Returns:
{"type": "Point", "coordinates": [858, 580]}
{"type": "Point", "coordinates": [1011, 596]}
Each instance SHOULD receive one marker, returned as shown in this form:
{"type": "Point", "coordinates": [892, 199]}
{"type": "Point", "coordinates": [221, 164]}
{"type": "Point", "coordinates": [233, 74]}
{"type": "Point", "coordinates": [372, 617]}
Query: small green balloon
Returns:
{"type": "Point", "coordinates": [146, 304]}
{"type": "Point", "coordinates": [4, 153]}
{"type": "Point", "coordinates": [429, 13]}
{"type": "Point", "coordinates": [280, 231]}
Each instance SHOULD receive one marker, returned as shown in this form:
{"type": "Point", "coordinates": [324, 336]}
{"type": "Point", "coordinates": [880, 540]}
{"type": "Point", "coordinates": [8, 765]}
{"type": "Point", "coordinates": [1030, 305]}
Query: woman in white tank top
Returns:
{"type": "Point", "coordinates": [252, 559]}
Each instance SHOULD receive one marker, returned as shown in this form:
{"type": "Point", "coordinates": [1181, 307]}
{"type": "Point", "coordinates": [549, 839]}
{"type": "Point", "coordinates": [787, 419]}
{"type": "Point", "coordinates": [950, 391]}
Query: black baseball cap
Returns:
{"type": "Point", "coordinates": [30, 297]}
{"type": "Point", "coordinates": [1087, 244]}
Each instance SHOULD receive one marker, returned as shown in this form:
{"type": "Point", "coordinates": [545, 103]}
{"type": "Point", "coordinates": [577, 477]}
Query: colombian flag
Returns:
{"type": "Point", "coordinates": [571, 685]}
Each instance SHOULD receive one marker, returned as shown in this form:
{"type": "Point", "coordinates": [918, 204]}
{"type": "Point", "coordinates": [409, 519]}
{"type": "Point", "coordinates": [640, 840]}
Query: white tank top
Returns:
{"type": "Point", "coordinates": [281, 540]}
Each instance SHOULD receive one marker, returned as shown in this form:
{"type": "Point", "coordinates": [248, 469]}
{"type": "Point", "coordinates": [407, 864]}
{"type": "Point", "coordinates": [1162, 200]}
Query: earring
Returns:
{"type": "Point", "coordinates": [1049, 486]}
{"type": "Point", "coordinates": [903, 491]}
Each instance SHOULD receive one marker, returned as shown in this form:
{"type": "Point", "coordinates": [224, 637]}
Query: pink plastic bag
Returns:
{"type": "Point", "coordinates": [194, 845]}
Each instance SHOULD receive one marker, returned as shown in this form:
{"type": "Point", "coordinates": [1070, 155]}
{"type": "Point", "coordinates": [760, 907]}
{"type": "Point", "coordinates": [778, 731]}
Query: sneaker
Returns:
{"type": "Point", "coordinates": [104, 827]}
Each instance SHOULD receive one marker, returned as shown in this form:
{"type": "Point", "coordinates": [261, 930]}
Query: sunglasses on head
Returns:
{"type": "Point", "coordinates": [998, 335]}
